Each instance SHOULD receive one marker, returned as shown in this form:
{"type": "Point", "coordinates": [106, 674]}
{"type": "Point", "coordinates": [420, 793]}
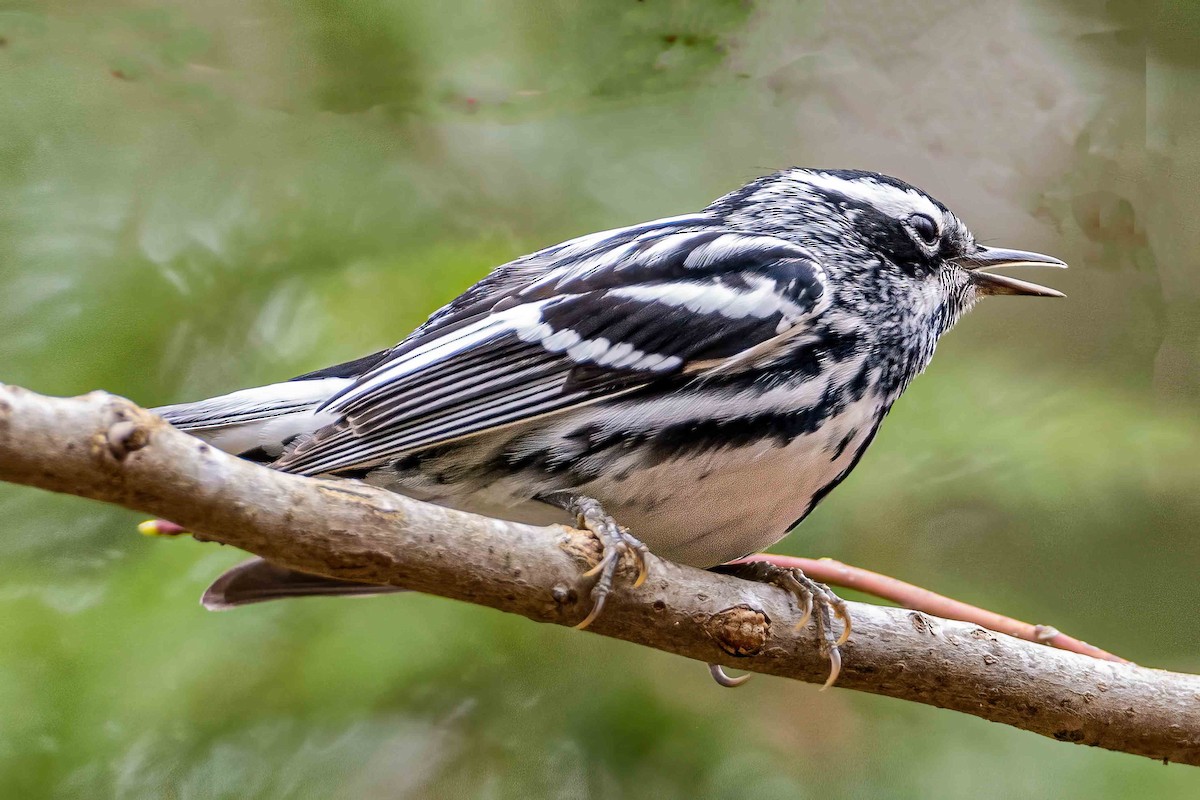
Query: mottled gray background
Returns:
{"type": "Point", "coordinates": [197, 196]}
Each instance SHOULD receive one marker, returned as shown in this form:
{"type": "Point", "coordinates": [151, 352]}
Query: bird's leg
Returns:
{"type": "Point", "coordinates": [816, 600]}
{"type": "Point", "coordinates": [614, 540]}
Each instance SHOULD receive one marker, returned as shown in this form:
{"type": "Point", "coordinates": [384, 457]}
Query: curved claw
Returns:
{"type": "Point", "coordinates": [819, 604]}
{"type": "Point", "coordinates": [719, 675]}
{"type": "Point", "coordinates": [835, 667]}
{"type": "Point", "coordinates": [614, 542]}
{"type": "Point", "coordinates": [597, 607]}
{"type": "Point", "coordinates": [808, 610]}
{"type": "Point", "coordinates": [844, 616]}
{"type": "Point", "coordinates": [639, 551]}
{"type": "Point", "coordinates": [643, 574]}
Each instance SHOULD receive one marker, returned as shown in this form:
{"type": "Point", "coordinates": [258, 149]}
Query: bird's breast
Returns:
{"type": "Point", "coordinates": [706, 508]}
{"type": "Point", "coordinates": [702, 474]}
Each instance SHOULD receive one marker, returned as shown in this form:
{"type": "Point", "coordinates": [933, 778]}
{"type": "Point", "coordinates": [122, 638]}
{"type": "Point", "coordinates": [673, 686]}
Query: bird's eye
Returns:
{"type": "Point", "coordinates": [924, 227]}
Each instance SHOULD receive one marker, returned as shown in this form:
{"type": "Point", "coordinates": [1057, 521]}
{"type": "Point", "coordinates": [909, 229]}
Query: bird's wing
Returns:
{"type": "Point", "coordinates": [604, 317]}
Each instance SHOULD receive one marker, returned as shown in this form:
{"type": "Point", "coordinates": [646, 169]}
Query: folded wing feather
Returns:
{"type": "Point", "coordinates": [645, 305]}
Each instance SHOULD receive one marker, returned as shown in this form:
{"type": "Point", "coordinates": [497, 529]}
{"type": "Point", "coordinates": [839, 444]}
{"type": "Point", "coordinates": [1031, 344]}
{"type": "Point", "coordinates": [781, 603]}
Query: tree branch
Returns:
{"type": "Point", "coordinates": [106, 448]}
{"type": "Point", "coordinates": [885, 587]}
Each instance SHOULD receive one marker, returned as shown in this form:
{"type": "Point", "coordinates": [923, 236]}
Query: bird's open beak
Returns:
{"type": "Point", "coordinates": [984, 259]}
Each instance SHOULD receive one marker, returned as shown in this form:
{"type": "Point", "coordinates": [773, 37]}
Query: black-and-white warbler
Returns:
{"type": "Point", "coordinates": [705, 379]}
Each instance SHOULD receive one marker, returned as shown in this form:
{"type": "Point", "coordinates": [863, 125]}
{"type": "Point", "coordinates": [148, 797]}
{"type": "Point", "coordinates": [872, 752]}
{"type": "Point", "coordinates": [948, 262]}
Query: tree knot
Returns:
{"type": "Point", "coordinates": [740, 630]}
{"type": "Point", "coordinates": [125, 436]}
{"type": "Point", "coordinates": [581, 546]}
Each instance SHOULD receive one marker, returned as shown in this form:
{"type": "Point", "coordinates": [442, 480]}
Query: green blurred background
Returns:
{"type": "Point", "coordinates": [199, 196]}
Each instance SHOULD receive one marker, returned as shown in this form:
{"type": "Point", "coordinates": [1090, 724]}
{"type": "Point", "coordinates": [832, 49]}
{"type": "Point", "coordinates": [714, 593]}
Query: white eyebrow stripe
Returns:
{"type": "Point", "coordinates": [891, 200]}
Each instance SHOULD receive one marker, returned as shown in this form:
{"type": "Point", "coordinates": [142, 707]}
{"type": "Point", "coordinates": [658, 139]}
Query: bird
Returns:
{"type": "Point", "coordinates": [690, 387]}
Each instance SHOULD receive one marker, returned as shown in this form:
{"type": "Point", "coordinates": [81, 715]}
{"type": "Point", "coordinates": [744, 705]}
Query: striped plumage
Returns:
{"type": "Point", "coordinates": [708, 378]}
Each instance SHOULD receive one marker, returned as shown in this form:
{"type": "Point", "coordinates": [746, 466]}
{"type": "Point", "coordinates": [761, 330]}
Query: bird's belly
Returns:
{"type": "Point", "coordinates": [715, 507]}
{"type": "Point", "coordinates": [702, 508]}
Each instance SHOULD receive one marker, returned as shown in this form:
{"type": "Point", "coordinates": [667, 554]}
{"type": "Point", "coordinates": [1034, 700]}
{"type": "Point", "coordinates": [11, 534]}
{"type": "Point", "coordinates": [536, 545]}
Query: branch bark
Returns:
{"type": "Point", "coordinates": [885, 587]}
{"type": "Point", "coordinates": [106, 448]}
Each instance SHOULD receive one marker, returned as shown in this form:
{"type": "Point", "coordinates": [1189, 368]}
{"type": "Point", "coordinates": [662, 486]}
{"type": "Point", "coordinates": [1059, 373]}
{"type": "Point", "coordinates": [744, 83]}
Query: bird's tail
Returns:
{"type": "Point", "coordinates": [257, 423]}
{"type": "Point", "coordinates": [257, 580]}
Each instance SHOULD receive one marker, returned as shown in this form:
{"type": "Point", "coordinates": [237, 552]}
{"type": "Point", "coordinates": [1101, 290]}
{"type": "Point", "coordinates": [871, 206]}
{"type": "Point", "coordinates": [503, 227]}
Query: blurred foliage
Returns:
{"type": "Point", "coordinates": [196, 197]}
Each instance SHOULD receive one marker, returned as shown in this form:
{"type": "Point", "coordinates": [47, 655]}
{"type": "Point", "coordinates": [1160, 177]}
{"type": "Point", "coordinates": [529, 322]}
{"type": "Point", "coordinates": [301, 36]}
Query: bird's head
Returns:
{"type": "Point", "coordinates": [884, 241]}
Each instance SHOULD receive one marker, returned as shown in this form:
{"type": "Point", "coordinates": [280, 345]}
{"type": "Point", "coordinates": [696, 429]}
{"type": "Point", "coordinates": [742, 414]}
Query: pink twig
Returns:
{"type": "Point", "coordinates": [907, 595]}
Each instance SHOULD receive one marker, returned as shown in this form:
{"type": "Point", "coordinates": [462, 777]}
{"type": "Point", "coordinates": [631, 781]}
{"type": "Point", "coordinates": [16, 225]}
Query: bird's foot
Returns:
{"type": "Point", "coordinates": [614, 540]}
{"type": "Point", "coordinates": [816, 601]}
